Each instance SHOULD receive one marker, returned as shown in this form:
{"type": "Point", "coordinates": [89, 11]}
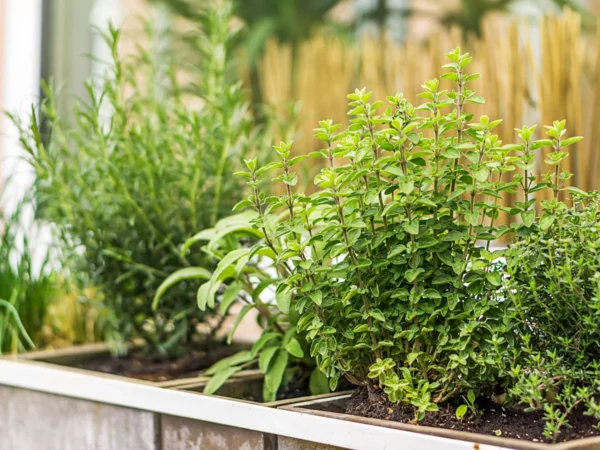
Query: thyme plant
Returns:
{"type": "Point", "coordinates": [555, 297]}
{"type": "Point", "coordinates": [144, 165]}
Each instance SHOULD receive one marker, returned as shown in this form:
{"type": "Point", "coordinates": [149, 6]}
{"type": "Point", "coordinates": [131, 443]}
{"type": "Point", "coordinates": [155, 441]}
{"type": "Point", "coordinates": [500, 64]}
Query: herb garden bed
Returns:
{"type": "Point", "coordinates": [74, 409]}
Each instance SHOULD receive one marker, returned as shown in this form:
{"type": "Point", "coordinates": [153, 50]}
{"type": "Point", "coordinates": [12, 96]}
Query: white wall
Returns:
{"type": "Point", "coordinates": [22, 33]}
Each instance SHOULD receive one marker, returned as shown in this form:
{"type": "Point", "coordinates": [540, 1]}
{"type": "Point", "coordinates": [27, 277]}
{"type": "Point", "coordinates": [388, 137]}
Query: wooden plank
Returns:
{"type": "Point", "coordinates": [41, 421]}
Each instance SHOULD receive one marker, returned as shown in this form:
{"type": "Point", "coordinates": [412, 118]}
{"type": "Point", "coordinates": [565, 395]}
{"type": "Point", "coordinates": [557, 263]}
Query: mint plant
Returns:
{"type": "Point", "coordinates": [246, 275]}
{"type": "Point", "coordinates": [141, 167]}
{"type": "Point", "coordinates": [555, 298]}
{"type": "Point", "coordinates": [388, 263]}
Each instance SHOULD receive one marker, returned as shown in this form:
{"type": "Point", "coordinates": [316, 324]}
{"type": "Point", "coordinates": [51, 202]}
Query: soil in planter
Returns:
{"type": "Point", "coordinates": [495, 420]}
{"type": "Point", "coordinates": [293, 389]}
{"type": "Point", "coordinates": [297, 387]}
{"type": "Point", "coordinates": [160, 367]}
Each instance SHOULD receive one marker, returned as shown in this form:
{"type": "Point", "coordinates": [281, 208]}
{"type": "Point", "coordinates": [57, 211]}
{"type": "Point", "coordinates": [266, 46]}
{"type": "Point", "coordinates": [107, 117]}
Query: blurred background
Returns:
{"type": "Point", "coordinates": [539, 61]}
{"type": "Point", "coordinates": [310, 53]}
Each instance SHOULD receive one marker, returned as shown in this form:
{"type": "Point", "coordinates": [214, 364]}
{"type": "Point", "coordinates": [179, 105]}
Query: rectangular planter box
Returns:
{"type": "Point", "coordinates": [334, 407]}
{"type": "Point", "coordinates": [39, 420]}
{"type": "Point", "coordinates": [50, 407]}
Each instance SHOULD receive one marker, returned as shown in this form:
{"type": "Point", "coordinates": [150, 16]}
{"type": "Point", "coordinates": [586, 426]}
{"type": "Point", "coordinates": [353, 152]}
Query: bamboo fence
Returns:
{"type": "Point", "coordinates": [532, 71]}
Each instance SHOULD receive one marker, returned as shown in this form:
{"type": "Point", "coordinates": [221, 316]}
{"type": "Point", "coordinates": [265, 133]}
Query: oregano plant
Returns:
{"type": "Point", "coordinates": [388, 262]}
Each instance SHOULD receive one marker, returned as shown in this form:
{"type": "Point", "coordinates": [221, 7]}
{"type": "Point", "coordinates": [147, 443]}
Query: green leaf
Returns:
{"type": "Point", "coordinates": [570, 141]}
{"type": "Point", "coordinates": [576, 190]}
{"type": "Point", "coordinates": [293, 348]}
{"type": "Point", "coordinates": [528, 217]}
{"type": "Point", "coordinates": [234, 360]}
{"type": "Point", "coordinates": [238, 319]}
{"type": "Point", "coordinates": [459, 266]}
{"type": "Point", "coordinates": [377, 315]}
{"type": "Point", "coordinates": [362, 328]}
{"type": "Point", "coordinates": [471, 396]}
{"type": "Point", "coordinates": [481, 174]}
{"type": "Point", "coordinates": [542, 143]}
{"type": "Point", "coordinates": [264, 339]}
{"type": "Point", "coordinates": [188, 273]}
{"type": "Point", "coordinates": [412, 274]}
{"type": "Point", "coordinates": [218, 379]}
{"type": "Point", "coordinates": [455, 194]}
{"type": "Point", "coordinates": [241, 205]}
{"type": "Point", "coordinates": [410, 358]}
{"type": "Point", "coordinates": [461, 411]}
{"type": "Point", "coordinates": [238, 230]}
{"type": "Point", "coordinates": [431, 293]}
{"type": "Point", "coordinates": [451, 153]}
{"type": "Point", "coordinates": [316, 297]}
{"type": "Point", "coordinates": [276, 369]}
{"type": "Point", "coordinates": [414, 138]}
{"type": "Point", "coordinates": [493, 278]}
{"type": "Point", "coordinates": [406, 187]}
{"type": "Point", "coordinates": [453, 236]}
{"type": "Point", "coordinates": [283, 297]}
{"type": "Point", "coordinates": [412, 227]}
{"type": "Point", "coordinates": [229, 296]}
{"type": "Point", "coordinates": [206, 293]}
{"type": "Point", "coordinates": [442, 279]}
{"type": "Point", "coordinates": [264, 360]}
{"type": "Point", "coordinates": [318, 383]}
{"type": "Point", "coordinates": [476, 99]}
{"type": "Point", "coordinates": [546, 221]}
{"type": "Point", "coordinates": [204, 235]}
{"type": "Point", "coordinates": [9, 306]}
{"type": "Point", "coordinates": [472, 217]}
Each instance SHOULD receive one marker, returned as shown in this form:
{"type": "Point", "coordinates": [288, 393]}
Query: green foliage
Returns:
{"type": "Point", "coordinates": [469, 405]}
{"type": "Point", "coordinates": [144, 165]}
{"type": "Point", "coordinates": [287, 20]}
{"type": "Point", "coordinates": [554, 291]}
{"type": "Point", "coordinates": [26, 291]}
{"type": "Point", "coordinates": [389, 262]}
{"type": "Point", "coordinates": [247, 275]}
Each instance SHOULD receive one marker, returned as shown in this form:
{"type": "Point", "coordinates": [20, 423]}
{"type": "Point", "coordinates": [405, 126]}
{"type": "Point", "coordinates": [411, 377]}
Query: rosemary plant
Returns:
{"type": "Point", "coordinates": [144, 165]}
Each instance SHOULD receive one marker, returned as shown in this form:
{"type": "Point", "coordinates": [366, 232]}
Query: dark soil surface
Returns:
{"type": "Point", "coordinates": [495, 420]}
{"type": "Point", "coordinates": [160, 367]}
{"type": "Point", "coordinates": [295, 388]}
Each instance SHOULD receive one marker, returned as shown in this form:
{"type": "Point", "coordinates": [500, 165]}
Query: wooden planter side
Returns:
{"type": "Point", "coordinates": [42, 421]}
{"type": "Point", "coordinates": [327, 407]}
{"type": "Point", "coordinates": [179, 433]}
